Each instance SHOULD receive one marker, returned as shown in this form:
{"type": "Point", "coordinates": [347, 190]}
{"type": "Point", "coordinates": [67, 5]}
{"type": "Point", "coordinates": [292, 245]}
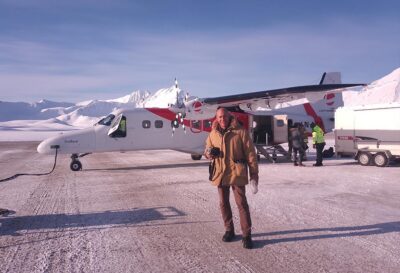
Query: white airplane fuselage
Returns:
{"type": "Point", "coordinates": [184, 126]}
{"type": "Point", "coordinates": [152, 129]}
{"type": "Point", "coordinates": [141, 134]}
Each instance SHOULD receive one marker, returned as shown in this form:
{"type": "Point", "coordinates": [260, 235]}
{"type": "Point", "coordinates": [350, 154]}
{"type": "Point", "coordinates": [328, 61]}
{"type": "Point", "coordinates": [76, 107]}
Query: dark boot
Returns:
{"type": "Point", "coordinates": [247, 242]}
{"type": "Point", "coordinates": [228, 236]}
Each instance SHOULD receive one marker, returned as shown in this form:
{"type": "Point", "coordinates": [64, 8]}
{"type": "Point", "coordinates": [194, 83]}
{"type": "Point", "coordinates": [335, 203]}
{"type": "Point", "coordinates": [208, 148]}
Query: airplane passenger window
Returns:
{"type": "Point", "coordinates": [146, 124]}
{"type": "Point", "coordinates": [207, 124]}
{"type": "Point", "coordinates": [196, 124]}
{"type": "Point", "coordinates": [158, 124]}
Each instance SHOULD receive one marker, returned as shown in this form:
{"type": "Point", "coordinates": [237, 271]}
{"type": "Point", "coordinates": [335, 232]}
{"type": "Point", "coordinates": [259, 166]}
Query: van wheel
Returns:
{"type": "Point", "coordinates": [364, 158]}
{"type": "Point", "coordinates": [380, 160]}
{"type": "Point", "coordinates": [196, 157]}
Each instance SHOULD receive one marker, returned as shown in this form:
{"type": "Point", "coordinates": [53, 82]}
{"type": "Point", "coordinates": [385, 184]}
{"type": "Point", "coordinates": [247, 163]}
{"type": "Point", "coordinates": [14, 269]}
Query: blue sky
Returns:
{"type": "Point", "coordinates": [98, 49]}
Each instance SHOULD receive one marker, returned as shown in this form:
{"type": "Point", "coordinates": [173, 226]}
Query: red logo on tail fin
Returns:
{"type": "Point", "coordinates": [330, 99]}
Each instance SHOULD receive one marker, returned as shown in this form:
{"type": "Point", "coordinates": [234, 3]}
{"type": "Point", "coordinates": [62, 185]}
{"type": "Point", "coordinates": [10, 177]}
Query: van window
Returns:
{"type": "Point", "coordinates": [146, 124]}
{"type": "Point", "coordinates": [158, 124]}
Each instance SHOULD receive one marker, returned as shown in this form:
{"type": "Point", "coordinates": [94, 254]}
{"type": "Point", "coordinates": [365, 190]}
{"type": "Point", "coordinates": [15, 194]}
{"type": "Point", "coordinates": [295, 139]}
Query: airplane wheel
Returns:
{"type": "Point", "coordinates": [76, 165]}
{"type": "Point", "coordinates": [364, 158]}
{"type": "Point", "coordinates": [196, 157]}
{"type": "Point", "coordinates": [380, 160]}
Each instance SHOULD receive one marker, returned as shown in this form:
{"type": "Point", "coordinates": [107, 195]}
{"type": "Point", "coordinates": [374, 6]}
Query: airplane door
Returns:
{"type": "Point", "coordinates": [280, 129]}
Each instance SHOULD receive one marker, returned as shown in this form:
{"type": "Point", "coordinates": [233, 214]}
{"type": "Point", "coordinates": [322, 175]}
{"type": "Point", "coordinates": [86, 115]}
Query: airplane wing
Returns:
{"type": "Point", "coordinates": [267, 99]}
{"type": "Point", "coordinates": [277, 95]}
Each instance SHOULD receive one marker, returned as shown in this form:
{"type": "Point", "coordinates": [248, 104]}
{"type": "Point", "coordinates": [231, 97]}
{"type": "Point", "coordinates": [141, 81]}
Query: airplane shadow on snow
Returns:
{"type": "Point", "coordinates": [137, 216]}
{"type": "Point", "coordinates": [107, 219]}
{"type": "Point", "coordinates": [150, 167]}
{"type": "Point", "coordinates": [324, 233]}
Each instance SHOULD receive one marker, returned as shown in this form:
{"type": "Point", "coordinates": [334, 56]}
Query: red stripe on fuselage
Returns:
{"type": "Point", "coordinates": [167, 114]}
{"type": "Point", "coordinates": [311, 112]}
{"type": "Point", "coordinates": [170, 115]}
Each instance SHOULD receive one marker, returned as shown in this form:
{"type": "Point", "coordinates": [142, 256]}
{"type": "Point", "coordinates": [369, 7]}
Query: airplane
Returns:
{"type": "Point", "coordinates": [184, 125]}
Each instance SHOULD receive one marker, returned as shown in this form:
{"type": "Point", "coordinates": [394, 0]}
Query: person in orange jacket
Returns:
{"type": "Point", "coordinates": [234, 158]}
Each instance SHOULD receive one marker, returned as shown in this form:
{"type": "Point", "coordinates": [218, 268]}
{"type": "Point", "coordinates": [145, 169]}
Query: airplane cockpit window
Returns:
{"type": "Point", "coordinates": [118, 128]}
{"type": "Point", "coordinates": [158, 124]}
{"type": "Point", "coordinates": [146, 124]}
{"type": "Point", "coordinates": [106, 120]}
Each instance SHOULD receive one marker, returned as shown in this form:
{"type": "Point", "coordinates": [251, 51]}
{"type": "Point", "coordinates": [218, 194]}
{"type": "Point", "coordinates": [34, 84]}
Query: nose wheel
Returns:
{"type": "Point", "coordinates": [75, 165]}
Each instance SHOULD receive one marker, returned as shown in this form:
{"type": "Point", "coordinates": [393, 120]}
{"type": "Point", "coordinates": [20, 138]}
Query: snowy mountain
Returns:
{"type": "Point", "coordinates": [22, 110]}
{"type": "Point", "coordinates": [164, 97]}
{"type": "Point", "coordinates": [79, 114]}
{"type": "Point", "coordinates": [86, 112]}
{"type": "Point", "coordinates": [48, 115]}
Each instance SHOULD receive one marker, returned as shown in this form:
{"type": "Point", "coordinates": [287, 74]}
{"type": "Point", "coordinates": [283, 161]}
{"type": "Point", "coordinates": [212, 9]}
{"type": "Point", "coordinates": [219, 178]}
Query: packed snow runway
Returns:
{"type": "Point", "coordinates": [155, 211]}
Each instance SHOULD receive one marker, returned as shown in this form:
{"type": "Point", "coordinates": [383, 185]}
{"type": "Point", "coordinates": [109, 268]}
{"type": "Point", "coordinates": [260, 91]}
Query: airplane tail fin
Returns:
{"type": "Point", "coordinates": [331, 78]}
{"type": "Point", "coordinates": [323, 110]}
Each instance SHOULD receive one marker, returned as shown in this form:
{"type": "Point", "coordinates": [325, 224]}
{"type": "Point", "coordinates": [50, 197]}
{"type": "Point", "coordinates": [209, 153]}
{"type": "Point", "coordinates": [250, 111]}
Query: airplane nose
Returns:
{"type": "Point", "coordinates": [42, 148]}
{"type": "Point", "coordinates": [47, 147]}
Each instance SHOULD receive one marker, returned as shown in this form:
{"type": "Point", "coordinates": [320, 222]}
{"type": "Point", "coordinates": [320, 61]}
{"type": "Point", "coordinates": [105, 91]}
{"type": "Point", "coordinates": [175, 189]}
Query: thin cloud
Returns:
{"type": "Point", "coordinates": [209, 63]}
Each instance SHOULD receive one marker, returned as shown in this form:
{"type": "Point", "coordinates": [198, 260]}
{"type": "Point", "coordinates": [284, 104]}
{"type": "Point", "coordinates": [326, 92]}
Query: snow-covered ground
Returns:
{"type": "Point", "coordinates": [156, 211]}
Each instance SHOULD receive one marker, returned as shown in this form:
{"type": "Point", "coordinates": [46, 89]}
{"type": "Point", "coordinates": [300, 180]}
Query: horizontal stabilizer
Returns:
{"type": "Point", "coordinates": [331, 78]}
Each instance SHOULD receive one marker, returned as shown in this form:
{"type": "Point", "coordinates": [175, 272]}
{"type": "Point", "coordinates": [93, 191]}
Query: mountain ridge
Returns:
{"type": "Point", "coordinates": [383, 90]}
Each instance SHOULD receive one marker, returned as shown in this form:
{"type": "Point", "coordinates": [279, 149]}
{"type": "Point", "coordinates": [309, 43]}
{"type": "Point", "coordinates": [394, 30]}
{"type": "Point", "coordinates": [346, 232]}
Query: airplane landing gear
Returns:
{"type": "Point", "coordinates": [75, 165]}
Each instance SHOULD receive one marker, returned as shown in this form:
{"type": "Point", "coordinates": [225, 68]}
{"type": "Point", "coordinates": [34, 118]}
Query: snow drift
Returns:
{"type": "Point", "coordinates": [384, 90]}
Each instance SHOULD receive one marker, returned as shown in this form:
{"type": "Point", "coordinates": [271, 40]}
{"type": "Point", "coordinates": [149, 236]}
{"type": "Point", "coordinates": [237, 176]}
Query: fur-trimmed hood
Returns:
{"type": "Point", "coordinates": [234, 124]}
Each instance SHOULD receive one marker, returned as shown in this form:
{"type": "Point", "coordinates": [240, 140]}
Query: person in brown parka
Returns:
{"type": "Point", "coordinates": [231, 150]}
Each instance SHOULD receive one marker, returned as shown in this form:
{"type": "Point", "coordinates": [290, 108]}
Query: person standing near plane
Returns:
{"type": "Point", "coordinates": [318, 142]}
{"type": "Point", "coordinates": [297, 141]}
{"type": "Point", "coordinates": [290, 147]}
{"type": "Point", "coordinates": [231, 149]}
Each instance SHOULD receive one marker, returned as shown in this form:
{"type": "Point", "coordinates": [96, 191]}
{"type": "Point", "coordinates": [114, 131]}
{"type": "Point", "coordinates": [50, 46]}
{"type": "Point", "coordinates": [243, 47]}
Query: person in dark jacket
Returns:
{"type": "Point", "coordinates": [290, 147]}
{"type": "Point", "coordinates": [297, 140]}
